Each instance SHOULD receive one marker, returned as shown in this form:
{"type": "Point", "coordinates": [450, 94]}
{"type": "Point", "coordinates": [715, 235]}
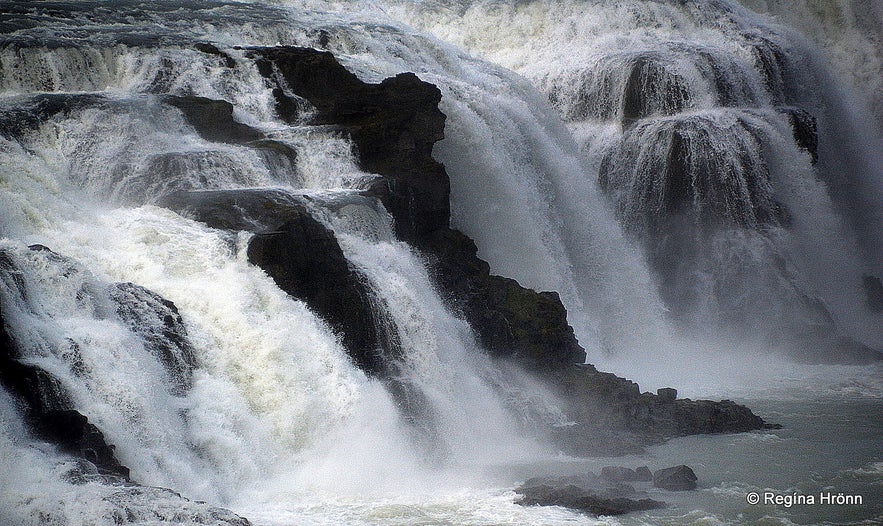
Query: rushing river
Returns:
{"type": "Point", "coordinates": [700, 182]}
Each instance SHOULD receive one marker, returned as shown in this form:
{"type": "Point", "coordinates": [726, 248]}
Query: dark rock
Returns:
{"type": "Point", "coordinates": [667, 394]}
{"type": "Point", "coordinates": [211, 49]}
{"type": "Point", "coordinates": [157, 321]}
{"type": "Point", "coordinates": [586, 493]}
{"type": "Point", "coordinates": [251, 210]}
{"type": "Point", "coordinates": [394, 126]}
{"type": "Point", "coordinates": [643, 474]}
{"type": "Point", "coordinates": [874, 292]}
{"type": "Point", "coordinates": [510, 320]}
{"type": "Point", "coordinates": [213, 119]}
{"type": "Point", "coordinates": [47, 409]}
{"type": "Point", "coordinates": [305, 260]}
{"type": "Point", "coordinates": [773, 61]}
{"type": "Point", "coordinates": [618, 474]}
{"type": "Point", "coordinates": [613, 415]}
{"type": "Point", "coordinates": [677, 478]}
{"type": "Point", "coordinates": [301, 255]}
{"type": "Point", "coordinates": [39, 108]}
{"type": "Point", "coordinates": [652, 90]}
{"type": "Point", "coordinates": [805, 130]}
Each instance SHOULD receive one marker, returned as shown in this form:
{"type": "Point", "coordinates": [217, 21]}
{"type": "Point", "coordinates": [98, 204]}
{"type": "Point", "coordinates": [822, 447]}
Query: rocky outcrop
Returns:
{"type": "Point", "coordinates": [213, 119]}
{"type": "Point", "coordinates": [302, 256]}
{"type": "Point", "coordinates": [587, 493]}
{"type": "Point", "coordinates": [614, 417]}
{"type": "Point", "coordinates": [305, 260]}
{"type": "Point", "coordinates": [805, 130]}
{"type": "Point", "coordinates": [160, 327]}
{"type": "Point", "coordinates": [510, 320]}
{"type": "Point", "coordinates": [676, 478]}
{"type": "Point", "coordinates": [48, 409]}
{"type": "Point", "coordinates": [211, 49]}
{"type": "Point", "coordinates": [393, 124]}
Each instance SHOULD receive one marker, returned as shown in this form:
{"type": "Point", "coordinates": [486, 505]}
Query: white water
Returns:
{"type": "Point", "coordinates": [707, 56]}
{"type": "Point", "coordinates": [278, 425]}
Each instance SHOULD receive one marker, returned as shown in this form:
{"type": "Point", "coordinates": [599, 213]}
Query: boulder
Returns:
{"type": "Point", "coordinates": [676, 478]}
{"type": "Point", "coordinates": [305, 260]}
{"type": "Point", "coordinates": [160, 326]}
{"type": "Point", "coordinates": [302, 256]}
{"type": "Point", "coordinates": [510, 321]}
{"type": "Point", "coordinates": [643, 474]}
{"type": "Point", "coordinates": [614, 417]}
{"type": "Point", "coordinates": [587, 493]}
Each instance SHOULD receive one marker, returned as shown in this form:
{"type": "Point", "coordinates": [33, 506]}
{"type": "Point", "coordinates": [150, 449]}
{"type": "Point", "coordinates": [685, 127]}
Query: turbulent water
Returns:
{"type": "Point", "coordinates": [652, 161]}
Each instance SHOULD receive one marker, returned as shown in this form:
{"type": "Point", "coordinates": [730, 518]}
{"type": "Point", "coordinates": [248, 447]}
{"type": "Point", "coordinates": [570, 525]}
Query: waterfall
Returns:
{"type": "Point", "coordinates": [690, 177]}
{"type": "Point", "coordinates": [698, 116]}
{"type": "Point", "coordinates": [245, 384]}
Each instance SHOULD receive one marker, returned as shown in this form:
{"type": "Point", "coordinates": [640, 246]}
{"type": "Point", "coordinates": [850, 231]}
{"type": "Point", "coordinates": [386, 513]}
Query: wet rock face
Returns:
{"type": "Point", "coordinates": [213, 119]}
{"type": "Point", "coordinates": [510, 320]}
{"type": "Point", "coordinates": [805, 130]}
{"type": "Point", "coordinates": [301, 255]}
{"type": "Point", "coordinates": [393, 124]}
{"type": "Point", "coordinates": [48, 409]}
{"type": "Point", "coordinates": [305, 260]}
{"type": "Point", "coordinates": [157, 321]}
{"type": "Point", "coordinates": [614, 418]}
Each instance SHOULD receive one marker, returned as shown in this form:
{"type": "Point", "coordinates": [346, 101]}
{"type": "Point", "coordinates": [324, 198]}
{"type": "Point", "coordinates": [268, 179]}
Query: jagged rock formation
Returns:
{"type": "Point", "coordinates": [47, 406]}
{"type": "Point", "coordinates": [394, 125]}
{"type": "Point", "coordinates": [302, 256]}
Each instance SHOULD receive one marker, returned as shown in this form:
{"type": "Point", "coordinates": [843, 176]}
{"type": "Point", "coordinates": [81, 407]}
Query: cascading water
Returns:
{"type": "Point", "coordinates": [258, 372]}
{"type": "Point", "coordinates": [697, 120]}
{"type": "Point", "coordinates": [691, 115]}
